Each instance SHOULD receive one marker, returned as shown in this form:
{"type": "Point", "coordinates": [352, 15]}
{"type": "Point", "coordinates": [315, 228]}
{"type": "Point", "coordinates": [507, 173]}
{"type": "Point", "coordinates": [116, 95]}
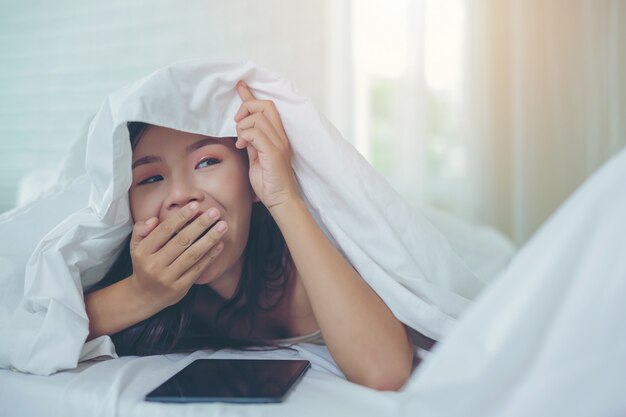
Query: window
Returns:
{"type": "Point", "coordinates": [408, 85]}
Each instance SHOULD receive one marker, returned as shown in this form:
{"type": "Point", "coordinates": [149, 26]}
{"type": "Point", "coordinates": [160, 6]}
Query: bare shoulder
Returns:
{"type": "Point", "coordinates": [294, 311]}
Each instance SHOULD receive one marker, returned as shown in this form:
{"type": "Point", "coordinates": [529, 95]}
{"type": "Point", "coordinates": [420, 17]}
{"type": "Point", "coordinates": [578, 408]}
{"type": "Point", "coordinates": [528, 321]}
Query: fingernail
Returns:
{"type": "Point", "coordinates": [193, 205]}
{"type": "Point", "coordinates": [214, 213]}
{"type": "Point", "coordinates": [150, 221]}
{"type": "Point", "coordinates": [221, 227]}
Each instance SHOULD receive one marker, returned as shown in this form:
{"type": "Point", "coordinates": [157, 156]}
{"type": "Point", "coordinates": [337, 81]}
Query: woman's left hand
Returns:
{"type": "Point", "coordinates": [261, 132]}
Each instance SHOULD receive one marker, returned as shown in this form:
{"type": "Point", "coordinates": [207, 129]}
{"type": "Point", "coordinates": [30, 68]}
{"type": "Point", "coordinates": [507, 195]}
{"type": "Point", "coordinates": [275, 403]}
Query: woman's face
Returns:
{"type": "Point", "coordinates": [172, 168]}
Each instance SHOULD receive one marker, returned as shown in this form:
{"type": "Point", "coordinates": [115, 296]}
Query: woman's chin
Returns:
{"type": "Point", "coordinates": [222, 284]}
{"type": "Point", "coordinates": [205, 279]}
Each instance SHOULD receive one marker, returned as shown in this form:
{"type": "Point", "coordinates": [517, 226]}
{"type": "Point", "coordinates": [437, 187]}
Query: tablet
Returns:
{"type": "Point", "coordinates": [232, 381]}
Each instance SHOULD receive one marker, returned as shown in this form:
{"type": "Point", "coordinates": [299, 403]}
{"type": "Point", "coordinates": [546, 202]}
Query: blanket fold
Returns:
{"type": "Point", "coordinates": [413, 259]}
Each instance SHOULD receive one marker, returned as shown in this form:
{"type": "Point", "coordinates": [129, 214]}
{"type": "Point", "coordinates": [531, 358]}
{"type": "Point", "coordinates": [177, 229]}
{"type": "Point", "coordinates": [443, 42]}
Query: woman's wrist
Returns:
{"type": "Point", "coordinates": [144, 303]}
{"type": "Point", "coordinates": [116, 307]}
{"type": "Point", "coordinates": [287, 209]}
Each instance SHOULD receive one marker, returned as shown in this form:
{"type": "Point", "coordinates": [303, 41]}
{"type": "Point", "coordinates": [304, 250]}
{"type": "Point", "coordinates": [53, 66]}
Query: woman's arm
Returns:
{"type": "Point", "coordinates": [115, 308]}
{"type": "Point", "coordinates": [368, 343]}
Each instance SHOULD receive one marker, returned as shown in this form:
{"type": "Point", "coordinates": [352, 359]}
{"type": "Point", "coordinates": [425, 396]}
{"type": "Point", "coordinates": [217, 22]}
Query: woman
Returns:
{"type": "Point", "coordinates": [192, 200]}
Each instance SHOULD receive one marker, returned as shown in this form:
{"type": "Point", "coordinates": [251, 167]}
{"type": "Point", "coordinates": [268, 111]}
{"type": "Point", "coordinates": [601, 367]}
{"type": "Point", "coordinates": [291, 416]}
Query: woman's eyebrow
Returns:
{"type": "Point", "coordinates": [203, 142]}
{"type": "Point", "coordinates": [146, 160]}
{"type": "Point", "coordinates": [149, 159]}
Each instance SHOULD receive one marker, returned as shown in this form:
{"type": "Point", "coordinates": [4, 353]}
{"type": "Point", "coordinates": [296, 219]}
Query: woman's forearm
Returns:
{"type": "Point", "coordinates": [368, 343]}
{"type": "Point", "coordinates": [115, 308]}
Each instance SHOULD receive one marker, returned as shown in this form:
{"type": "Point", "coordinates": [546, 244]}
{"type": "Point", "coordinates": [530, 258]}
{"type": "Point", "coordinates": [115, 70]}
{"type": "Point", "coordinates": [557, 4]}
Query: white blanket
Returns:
{"type": "Point", "coordinates": [548, 338]}
{"type": "Point", "coordinates": [66, 239]}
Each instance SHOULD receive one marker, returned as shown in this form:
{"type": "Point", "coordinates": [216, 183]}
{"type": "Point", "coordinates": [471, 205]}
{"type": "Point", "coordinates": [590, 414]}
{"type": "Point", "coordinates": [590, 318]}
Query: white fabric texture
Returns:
{"type": "Point", "coordinates": [549, 337]}
{"type": "Point", "coordinates": [75, 229]}
{"type": "Point", "coordinates": [117, 388]}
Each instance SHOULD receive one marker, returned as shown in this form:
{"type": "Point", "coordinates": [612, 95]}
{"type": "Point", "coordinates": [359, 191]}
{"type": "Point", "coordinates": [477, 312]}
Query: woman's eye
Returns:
{"type": "Point", "coordinates": [207, 162]}
{"type": "Point", "coordinates": [151, 180]}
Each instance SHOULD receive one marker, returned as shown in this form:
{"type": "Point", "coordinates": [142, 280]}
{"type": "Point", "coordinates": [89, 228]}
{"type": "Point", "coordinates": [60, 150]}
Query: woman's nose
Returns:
{"type": "Point", "coordinates": [182, 192]}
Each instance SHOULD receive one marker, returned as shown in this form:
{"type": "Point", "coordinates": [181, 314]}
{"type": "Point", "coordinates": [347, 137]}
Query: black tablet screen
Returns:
{"type": "Point", "coordinates": [231, 380]}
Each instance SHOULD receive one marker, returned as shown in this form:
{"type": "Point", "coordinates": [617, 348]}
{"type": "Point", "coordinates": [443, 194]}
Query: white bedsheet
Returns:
{"type": "Point", "coordinates": [117, 387]}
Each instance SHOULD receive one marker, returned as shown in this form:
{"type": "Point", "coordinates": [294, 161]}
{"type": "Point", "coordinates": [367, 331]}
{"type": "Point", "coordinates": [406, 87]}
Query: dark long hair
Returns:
{"type": "Point", "coordinates": [267, 268]}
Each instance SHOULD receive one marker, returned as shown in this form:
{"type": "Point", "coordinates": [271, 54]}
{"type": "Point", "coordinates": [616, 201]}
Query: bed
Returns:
{"type": "Point", "coordinates": [547, 337]}
{"type": "Point", "coordinates": [117, 387]}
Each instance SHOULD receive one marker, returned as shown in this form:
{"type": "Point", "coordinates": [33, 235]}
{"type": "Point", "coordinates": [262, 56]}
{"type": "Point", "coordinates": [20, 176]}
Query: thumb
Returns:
{"type": "Point", "coordinates": [141, 230]}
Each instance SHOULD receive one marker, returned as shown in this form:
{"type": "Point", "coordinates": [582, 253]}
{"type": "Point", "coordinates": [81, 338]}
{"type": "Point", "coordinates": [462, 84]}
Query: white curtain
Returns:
{"type": "Point", "coordinates": [495, 110]}
{"type": "Point", "coordinates": [545, 103]}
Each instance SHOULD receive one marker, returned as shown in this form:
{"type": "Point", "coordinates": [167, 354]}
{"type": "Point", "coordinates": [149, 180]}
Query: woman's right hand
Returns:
{"type": "Point", "coordinates": [167, 259]}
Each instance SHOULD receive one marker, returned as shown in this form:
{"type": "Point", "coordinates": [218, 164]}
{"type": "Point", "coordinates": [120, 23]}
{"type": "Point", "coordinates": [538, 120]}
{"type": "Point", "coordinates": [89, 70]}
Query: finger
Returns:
{"type": "Point", "coordinates": [168, 228]}
{"type": "Point", "coordinates": [253, 155]}
{"type": "Point", "coordinates": [244, 91]}
{"type": "Point", "coordinates": [141, 230]}
{"type": "Point", "coordinates": [256, 138]}
{"type": "Point", "coordinates": [187, 236]}
{"type": "Point", "coordinates": [267, 107]}
{"type": "Point", "coordinates": [197, 250]}
{"type": "Point", "coordinates": [259, 121]}
{"type": "Point", "coordinates": [193, 273]}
